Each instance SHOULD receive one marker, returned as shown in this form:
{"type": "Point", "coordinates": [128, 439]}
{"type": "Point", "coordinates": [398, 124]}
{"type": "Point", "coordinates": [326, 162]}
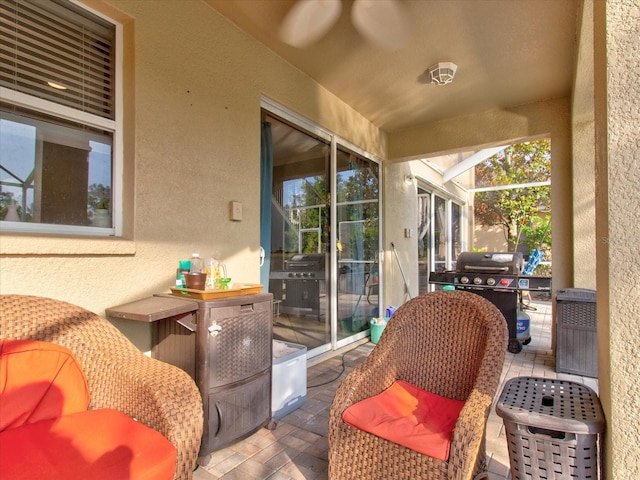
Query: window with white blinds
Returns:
{"type": "Point", "coordinates": [58, 122]}
{"type": "Point", "coordinates": [58, 52]}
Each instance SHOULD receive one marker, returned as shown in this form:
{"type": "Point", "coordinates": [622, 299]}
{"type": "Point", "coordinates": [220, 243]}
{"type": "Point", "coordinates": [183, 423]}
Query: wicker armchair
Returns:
{"type": "Point", "coordinates": [119, 376]}
{"type": "Point", "coordinates": [451, 343]}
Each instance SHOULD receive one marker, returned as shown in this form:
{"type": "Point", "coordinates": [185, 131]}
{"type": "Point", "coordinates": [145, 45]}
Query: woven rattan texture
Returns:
{"type": "Point", "coordinates": [159, 395]}
{"type": "Point", "coordinates": [243, 346]}
{"type": "Point", "coordinates": [572, 314]}
{"type": "Point", "coordinates": [451, 343]}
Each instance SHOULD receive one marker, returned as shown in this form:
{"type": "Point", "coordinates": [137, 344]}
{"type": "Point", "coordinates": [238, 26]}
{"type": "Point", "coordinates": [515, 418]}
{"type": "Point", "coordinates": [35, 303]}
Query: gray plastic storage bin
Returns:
{"type": "Point", "coordinates": [553, 429]}
{"type": "Point", "coordinates": [576, 339]}
{"type": "Point", "coordinates": [289, 378]}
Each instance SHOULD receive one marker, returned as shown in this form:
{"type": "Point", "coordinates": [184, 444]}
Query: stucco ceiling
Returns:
{"type": "Point", "coordinates": [508, 52]}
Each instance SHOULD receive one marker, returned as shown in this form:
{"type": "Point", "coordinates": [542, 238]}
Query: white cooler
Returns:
{"type": "Point", "coordinates": [288, 378]}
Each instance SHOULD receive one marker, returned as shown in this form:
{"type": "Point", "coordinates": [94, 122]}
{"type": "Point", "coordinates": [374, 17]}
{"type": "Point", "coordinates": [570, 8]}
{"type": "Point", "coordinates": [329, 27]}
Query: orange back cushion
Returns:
{"type": "Point", "coordinates": [38, 381]}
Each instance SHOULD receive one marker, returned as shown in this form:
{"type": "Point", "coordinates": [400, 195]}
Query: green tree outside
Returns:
{"type": "Point", "coordinates": [524, 213]}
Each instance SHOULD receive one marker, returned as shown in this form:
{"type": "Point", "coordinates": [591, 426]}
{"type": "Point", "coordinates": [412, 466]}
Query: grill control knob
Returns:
{"type": "Point", "coordinates": [464, 280]}
{"type": "Point", "coordinates": [477, 281]}
{"type": "Point", "coordinates": [491, 281]}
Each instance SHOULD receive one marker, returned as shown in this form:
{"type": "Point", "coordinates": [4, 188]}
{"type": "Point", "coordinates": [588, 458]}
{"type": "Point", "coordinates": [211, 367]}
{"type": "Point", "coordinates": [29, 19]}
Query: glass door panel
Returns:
{"type": "Point", "coordinates": [357, 207]}
{"type": "Point", "coordinates": [441, 227]}
{"type": "Point", "coordinates": [456, 233]}
{"type": "Point", "coordinates": [424, 237]}
{"type": "Point", "coordinates": [299, 264]}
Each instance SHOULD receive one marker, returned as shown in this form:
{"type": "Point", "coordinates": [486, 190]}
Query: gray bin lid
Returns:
{"type": "Point", "coordinates": [152, 309]}
{"type": "Point", "coordinates": [576, 295]}
{"type": "Point", "coordinates": [552, 404]}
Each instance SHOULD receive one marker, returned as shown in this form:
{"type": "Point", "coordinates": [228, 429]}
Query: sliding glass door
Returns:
{"type": "Point", "coordinates": [325, 288]}
{"type": "Point", "coordinates": [440, 236]}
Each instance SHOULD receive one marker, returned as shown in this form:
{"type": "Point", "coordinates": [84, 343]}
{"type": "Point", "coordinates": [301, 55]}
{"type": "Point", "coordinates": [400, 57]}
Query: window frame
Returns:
{"type": "Point", "coordinates": [114, 126]}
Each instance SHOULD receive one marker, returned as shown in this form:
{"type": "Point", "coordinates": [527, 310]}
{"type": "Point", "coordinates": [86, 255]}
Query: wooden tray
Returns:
{"type": "Point", "coordinates": [241, 289]}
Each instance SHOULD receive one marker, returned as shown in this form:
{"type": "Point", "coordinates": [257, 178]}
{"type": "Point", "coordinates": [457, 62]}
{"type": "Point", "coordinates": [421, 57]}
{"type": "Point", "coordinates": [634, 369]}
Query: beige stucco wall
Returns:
{"type": "Point", "coordinates": [194, 83]}
{"type": "Point", "coordinates": [400, 212]}
{"type": "Point", "coordinates": [491, 239]}
{"type": "Point", "coordinates": [617, 123]}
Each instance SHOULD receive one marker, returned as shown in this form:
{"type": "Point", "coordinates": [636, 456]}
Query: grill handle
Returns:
{"type": "Point", "coordinates": [470, 268]}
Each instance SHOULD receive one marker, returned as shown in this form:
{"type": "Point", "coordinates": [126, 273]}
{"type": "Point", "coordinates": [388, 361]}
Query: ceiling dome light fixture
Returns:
{"type": "Point", "coordinates": [442, 73]}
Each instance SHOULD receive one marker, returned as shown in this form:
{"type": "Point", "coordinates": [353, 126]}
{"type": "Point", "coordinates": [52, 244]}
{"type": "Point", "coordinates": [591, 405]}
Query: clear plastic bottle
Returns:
{"type": "Point", "coordinates": [197, 265]}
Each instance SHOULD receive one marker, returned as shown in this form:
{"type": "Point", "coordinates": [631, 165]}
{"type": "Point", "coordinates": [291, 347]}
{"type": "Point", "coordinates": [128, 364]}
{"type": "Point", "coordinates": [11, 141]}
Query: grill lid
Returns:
{"type": "Point", "coordinates": [305, 262]}
{"type": "Point", "coordinates": [509, 263]}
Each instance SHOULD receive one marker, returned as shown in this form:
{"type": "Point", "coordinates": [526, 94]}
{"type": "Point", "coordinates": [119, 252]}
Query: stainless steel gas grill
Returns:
{"type": "Point", "coordinates": [300, 285]}
{"type": "Point", "coordinates": [496, 276]}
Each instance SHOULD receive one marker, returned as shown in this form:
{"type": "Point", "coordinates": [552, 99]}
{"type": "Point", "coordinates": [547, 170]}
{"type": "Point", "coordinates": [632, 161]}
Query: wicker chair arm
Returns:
{"type": "Point", "coordinates": [467, 443]}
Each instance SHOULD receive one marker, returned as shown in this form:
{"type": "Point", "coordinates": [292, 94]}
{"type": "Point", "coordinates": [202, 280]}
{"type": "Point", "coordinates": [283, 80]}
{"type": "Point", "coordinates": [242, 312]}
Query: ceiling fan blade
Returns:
{"type": "Point", "coordinates": [308, 21]}
{"type": "Point", "coordinates": [382, 22]}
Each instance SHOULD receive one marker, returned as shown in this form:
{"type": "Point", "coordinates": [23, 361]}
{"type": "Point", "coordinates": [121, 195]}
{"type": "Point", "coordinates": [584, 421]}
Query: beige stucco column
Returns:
{"type": "Point", "coordinates": [583, 163]}
{"type": "Point", "coordinates": [617, 123]}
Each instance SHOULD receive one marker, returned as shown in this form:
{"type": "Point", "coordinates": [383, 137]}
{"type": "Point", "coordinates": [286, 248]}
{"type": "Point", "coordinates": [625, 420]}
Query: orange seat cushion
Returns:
{"type": "Point", "coordinates": [38, 381]}
{"type": "Point", "coordinates": [409, 416]}
{"type": "Point", "coordinates": [98, 445]}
